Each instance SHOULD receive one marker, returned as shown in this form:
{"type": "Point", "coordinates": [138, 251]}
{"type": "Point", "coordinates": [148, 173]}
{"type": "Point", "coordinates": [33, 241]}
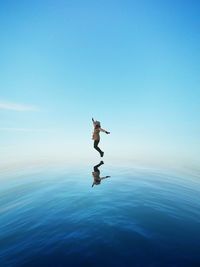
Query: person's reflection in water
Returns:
{"type": "Point", "coordinates": [96, 174]}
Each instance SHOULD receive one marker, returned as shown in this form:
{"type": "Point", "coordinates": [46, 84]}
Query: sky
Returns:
{"type": "Point", "coordinates": [133, 65]}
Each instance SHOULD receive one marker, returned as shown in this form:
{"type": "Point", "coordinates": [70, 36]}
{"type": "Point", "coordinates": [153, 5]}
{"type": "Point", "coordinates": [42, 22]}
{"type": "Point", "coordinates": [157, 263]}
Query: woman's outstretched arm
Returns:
{"type": "Point", "coordinates": [93, 121]}
{"type": "Point", "coordinates": [104, 177]}
{"type": "Point", "coordinates": [102, 130]}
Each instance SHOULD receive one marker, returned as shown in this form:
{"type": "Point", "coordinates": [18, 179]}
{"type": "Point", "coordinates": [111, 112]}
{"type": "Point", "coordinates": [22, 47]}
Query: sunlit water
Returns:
{"type": "Point", "coordinates": [137, 217]}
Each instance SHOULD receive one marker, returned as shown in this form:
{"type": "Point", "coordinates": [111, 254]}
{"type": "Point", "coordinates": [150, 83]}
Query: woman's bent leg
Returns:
{"type": "Point", "coordinates": [96, 142]}
{"type": "Point", "coordinates": [97, 166]}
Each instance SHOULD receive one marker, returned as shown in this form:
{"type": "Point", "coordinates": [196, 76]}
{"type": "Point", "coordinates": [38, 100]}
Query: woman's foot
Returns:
{"type": "Point", "coordinates": [102, 153]}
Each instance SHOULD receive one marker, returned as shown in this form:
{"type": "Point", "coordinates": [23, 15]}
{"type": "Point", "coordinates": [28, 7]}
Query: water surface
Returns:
{"type": "Point", "coordinates": [137, 217]}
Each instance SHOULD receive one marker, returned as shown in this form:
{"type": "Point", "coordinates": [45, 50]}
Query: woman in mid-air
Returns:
{"type": "Point", "coordinates": [96, 135]}
{"type": "Point", "coordinates": [96, 174]}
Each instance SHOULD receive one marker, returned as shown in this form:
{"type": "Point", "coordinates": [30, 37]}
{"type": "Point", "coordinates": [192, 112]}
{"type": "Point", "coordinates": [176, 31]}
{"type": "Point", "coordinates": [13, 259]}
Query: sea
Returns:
{"type": "Point", "coordinates": [52, 216]}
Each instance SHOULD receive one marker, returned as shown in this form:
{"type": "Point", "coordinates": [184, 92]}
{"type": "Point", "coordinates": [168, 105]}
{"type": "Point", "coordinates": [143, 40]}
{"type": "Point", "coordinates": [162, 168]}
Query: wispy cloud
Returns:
{"type": "Point", "coordinates": [17, 107]}
{"type": "Point", "coordinates": [23, 129]}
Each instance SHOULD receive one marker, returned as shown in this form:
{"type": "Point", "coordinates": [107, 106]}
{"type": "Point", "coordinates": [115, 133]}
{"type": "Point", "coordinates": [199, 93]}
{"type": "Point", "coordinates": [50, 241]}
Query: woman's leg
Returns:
{"type": "Point", "coordinates": [97, 166]}
{"type": "Point", "coordinates": [96, 142]}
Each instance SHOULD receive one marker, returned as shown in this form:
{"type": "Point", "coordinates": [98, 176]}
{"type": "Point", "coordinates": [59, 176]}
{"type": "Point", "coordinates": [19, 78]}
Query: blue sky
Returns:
{"type": "Point", "coordinates": [133, 65]}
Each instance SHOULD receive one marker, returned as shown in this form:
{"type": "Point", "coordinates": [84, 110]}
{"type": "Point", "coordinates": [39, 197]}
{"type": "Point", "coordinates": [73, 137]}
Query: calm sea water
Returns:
{"type": "Point", "coordinates": [137, 217]}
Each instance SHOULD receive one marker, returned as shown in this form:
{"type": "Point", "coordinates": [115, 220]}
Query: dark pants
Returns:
{"type": "Point", "coordinates": [96, 167]}
{"type": "Point", "coordinates": [96, 142]}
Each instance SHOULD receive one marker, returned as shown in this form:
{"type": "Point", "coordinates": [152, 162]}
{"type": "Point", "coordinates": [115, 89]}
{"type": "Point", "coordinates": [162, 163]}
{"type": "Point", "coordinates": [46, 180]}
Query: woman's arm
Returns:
{"type": "Point", "coordinates": [102, 130]}
{"type": "Point", "coordinates": [104, 177]}
{"type": "Point", "coordinates": [93, 121]}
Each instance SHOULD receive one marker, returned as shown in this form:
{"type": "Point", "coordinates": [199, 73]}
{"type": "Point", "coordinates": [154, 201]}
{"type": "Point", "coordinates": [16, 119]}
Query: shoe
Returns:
{"type": "Point", "coordinates": [102, 154]}
{"type": "Point", "coordinates": [101, 162]}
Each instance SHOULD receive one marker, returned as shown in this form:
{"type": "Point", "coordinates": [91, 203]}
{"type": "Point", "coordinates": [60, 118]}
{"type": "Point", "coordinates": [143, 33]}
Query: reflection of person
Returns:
{"type": "Point", "coordinates": [96, 174]}
{"type": "Point", "coordinates": [96, 135]}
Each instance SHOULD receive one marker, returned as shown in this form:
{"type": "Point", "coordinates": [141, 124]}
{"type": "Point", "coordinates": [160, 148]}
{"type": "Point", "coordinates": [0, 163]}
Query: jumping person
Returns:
{"type": "Point", "coordinates": [96, 174]}
{"type": "Point", "coordinates": [96, 135]}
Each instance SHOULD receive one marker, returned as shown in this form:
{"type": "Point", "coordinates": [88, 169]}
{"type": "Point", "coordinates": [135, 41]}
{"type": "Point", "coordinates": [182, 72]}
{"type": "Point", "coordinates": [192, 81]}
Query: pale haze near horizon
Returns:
{"type": "Point", "coordinates": [133, 65]}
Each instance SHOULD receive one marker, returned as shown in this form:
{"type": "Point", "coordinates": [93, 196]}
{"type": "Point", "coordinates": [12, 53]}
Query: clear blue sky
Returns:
{"type": "Point", "coordinates": [133, 65]}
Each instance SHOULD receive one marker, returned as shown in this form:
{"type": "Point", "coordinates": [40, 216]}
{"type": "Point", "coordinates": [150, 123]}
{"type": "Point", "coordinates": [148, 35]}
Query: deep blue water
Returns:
{"type": "Point", "coordinates": [137, 217]}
